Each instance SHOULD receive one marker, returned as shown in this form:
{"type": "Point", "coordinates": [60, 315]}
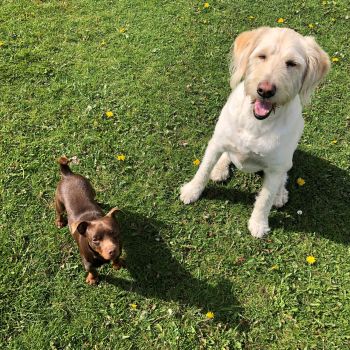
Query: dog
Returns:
{"type": "Point", "coordinates": [97, 235]}
{"type": "Point", "coordinates": [273, 74]}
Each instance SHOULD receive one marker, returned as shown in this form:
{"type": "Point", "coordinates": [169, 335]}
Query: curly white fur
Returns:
{"type": "Point", "coordinates": [294, 65]}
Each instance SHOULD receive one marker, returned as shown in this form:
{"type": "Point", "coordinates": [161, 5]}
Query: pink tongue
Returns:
{"type": "Point", "coordinates": [262, 108]}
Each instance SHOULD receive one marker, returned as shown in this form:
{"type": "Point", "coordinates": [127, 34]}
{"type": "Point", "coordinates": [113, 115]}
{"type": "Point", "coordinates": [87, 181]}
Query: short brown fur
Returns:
{"type": "Point", "coordinates": [97, 235]}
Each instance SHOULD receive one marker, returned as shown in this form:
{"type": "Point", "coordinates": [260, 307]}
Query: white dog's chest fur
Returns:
{"type": "Point", "coordinates": [249, 152]}
{"type": "Point", "coordinates": [253, 144]}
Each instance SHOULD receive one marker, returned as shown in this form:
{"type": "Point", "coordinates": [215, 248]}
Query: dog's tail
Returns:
{"type": "Point", "coordinates": [65, 169]}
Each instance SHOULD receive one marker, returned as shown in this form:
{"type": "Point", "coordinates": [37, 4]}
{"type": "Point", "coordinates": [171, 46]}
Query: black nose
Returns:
{"type": "Point", "coordinates": [266, 89]}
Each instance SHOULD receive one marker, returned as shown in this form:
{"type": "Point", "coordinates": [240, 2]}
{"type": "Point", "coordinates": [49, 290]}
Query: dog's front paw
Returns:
{"type": "Point", "coordinates": [92, 279]}
{"type": "Point", "coordinates": [119, 263]}
{"type": "Point", "coordinates": [190, 192]}
{"type": "Point", "coordinates": [219, 174]}
{"type": "Point", "coordinates": [281, 198]}
{"type": "Point", "coordinates": [258, 228]}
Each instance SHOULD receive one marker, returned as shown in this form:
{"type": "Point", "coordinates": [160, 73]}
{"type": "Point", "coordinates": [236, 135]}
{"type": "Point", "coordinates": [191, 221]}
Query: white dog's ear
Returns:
{"type": "Point", "coordinates": [241, 50]}
{"type": "Point", "coordinates": [318, 65]}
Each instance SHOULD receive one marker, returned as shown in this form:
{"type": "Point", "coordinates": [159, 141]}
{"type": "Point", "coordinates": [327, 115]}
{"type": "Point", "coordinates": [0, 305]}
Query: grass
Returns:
{"type": "Point", "coordinates": [161, 68]}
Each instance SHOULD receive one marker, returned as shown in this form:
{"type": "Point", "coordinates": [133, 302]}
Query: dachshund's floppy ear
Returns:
{"type": "Point", "coordinates": [243, 46]}
{"type": "Point", "coordinates": [317, 66]}
{"type": "Point", "coordinates": [112, 212]}
{"type": "Point", "coordinates": [80, 226]}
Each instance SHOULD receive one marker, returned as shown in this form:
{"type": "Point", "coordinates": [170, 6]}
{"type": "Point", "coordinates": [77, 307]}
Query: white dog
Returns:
{"type": "Point", "coordinates": [261, 123]}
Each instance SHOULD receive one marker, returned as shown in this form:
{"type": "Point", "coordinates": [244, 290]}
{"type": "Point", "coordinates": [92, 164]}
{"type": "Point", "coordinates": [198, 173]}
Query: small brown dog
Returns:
{"type": "Point", "coordinates": [97, 235]}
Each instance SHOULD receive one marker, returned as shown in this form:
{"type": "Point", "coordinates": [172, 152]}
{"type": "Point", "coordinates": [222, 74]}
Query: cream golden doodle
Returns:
{"type": "Point", "coordinates": [273, 74]}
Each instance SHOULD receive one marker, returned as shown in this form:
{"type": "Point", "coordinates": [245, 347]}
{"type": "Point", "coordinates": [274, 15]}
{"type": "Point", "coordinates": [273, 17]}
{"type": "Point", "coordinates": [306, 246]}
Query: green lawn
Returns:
{"type": "Point", "coordinates": [161, 67]}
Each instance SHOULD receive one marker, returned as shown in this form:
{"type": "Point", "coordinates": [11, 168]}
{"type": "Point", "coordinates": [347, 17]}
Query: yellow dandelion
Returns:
{"type": "Point", "coordinates": [133, 306]}
{"type": "Point", "coordinates": [196, 162]}
{"type": "Point", "coordinates": [210, 315]}
{"type": "Point", "coordinates": [251, 17]}
{"type": "Point", "coordinates": [334, 142]}
{"type": "Point", "coordinates": [335, 59]}
{"type": "Point", "coordinates": [280, 20]}
{"type": "Point", "coordinates": [2, 43]}
{"type": "Point", "coordinates": [121, 157]}
{"type": "Point", "coordinates": [310, 259]}
{"type": "Point", "coordinates": [122, 30]}
{"type": "Point", "coordinates": [274, 267]}
{"type": "Point", "coordinates": [109, 114]}
{"type": "Point", "coordinates": [311, 25]}
{"type": "Point", "coordinates": [206, 5]}
{"type": "Point", "coordinates": [103, 43]}
{"type": "Point", "coordinates": [300, 181]}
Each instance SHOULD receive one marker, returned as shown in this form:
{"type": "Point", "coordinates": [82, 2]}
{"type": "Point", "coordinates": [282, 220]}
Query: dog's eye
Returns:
{"type": "Point", "coordinates": [262, 57]}
{"type": "Point", "coordinates": [290, 63]}
{"type": "Point", "coordinates": [96, 240]}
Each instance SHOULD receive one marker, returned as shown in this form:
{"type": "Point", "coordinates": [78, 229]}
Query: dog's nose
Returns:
{"type": "Point", "coordinates": [112, 252]}
{"type": "Point", "coordinates": [266, 89]}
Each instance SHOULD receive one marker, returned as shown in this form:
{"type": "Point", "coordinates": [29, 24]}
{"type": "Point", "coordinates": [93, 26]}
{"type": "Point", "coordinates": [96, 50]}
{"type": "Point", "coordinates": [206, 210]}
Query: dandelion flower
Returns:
{"type": "Point", "coordinates": [334, 142]}
{"type": "Point", "coordinates": [300, 181]}
{"type": "Point", "coordinates": [109, 114]}
{"type": "Point", "coordinates": [310, 259]}
{"type": "Point", "coordinates": [206, 5]}
{"type": "Point", "coordinates": [121, 157]}
{"type": "Point", "coordinates": [196, 162]}
{"type": "Point", "coordinates": [122, 30]}
{"type": "Point", "coordinates": [251, 17]}
{"type": "Point", "coordinates": [2, 43]}
{"type": "Point", "coordinates": [210, 315]}
{"type": "Point", "coordinates": [311, 25]}
{"type": "Point", "coordinates": [133, 306]}
{"type": "Point", "coordinates": [274, 267]}
{"type": "Point", "coordinates": [335, 59]}
{"type": "Point", "coordinates": [280, 20]}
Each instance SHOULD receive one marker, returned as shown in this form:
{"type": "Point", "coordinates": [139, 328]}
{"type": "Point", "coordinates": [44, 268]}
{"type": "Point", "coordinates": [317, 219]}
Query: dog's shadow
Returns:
{"type": "Point", "coordinates": [323, 202]}
{"type": "Point", "coordinates": [157, 274]}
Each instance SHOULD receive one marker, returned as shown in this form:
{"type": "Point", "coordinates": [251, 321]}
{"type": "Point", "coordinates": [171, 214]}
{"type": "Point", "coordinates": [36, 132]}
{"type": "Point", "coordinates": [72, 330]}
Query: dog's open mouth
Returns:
{"type": "Point", "coordinates": [262, 109]}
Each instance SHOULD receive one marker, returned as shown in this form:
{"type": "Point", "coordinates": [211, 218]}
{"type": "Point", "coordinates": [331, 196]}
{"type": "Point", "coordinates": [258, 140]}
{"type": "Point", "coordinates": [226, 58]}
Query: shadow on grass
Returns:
{"type": "Point", "coordinates": [157, 274]}
{"type": "Point", "coordinates": [324, 199]}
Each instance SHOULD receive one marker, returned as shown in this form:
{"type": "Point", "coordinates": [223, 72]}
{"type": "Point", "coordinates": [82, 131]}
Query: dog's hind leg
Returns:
{"type": "Point", "coordinates": [191, 191]}
{"type": "Point", "coordinates": [221, 169]}
{"type": "Point", "coordinates": [60, 209]}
